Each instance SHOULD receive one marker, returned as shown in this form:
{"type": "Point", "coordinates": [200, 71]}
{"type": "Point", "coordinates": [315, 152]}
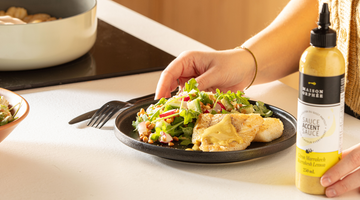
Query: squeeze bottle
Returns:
{"type": "Point", "coordinates": [320, 116]}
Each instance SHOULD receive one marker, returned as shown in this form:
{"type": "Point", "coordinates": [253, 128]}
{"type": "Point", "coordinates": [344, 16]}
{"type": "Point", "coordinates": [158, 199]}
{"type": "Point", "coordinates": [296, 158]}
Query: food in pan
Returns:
{"type": "Point", "coordinates": [209, 121]}
{"type": "Point", "coordinates": [7, 112]}
{"type": "Point", "coordinates": [18, 13]}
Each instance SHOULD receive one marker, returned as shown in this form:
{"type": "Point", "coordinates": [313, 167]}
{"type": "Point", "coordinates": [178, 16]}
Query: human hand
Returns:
{"type": "Point", "coordinates": [345, 175]}
{"type": "Point", "coordinates": [225, 70]}
{"type": "Point", "coordinates": [10, 20]}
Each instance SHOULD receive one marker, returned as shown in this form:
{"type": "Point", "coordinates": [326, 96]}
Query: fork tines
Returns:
{"type": "Point", "coordinates": [103, 115]}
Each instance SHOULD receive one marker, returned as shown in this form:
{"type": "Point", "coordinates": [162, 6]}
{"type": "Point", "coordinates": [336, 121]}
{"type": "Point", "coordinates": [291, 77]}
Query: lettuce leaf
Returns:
{"type": "Point", "coordinates": [204, 98]}
{"type": "Point", "coordinates": [188, 115]}
{"type": "Point", "coordinates": [191, 85]}
{"type": "Point", "coordinates": [262, 110]}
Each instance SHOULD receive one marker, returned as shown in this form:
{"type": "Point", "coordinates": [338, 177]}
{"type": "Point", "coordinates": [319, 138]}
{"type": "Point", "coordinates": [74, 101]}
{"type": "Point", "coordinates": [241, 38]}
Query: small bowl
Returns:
{"type": "Point", "coordinates": [13, 99]}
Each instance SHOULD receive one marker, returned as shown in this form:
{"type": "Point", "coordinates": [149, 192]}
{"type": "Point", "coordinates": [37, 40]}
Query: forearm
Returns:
{"type": "Point", "coordinates": [279, 46]}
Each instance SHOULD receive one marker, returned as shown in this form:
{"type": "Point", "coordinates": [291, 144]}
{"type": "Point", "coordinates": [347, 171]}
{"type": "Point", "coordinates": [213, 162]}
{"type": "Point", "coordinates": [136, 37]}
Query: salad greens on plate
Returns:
{"type": "Point", "coordinates": [173, 119]}
{"type": "Point", "coordinates": [7, 112]}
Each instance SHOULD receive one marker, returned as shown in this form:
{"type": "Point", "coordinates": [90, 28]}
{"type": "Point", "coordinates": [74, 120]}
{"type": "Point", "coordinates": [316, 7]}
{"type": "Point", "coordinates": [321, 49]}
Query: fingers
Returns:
{"type": "Point", "coordinates": [333, 177]}
{"type": "Point", "coordinates": [347, 151]}
{"type": "Point", "coordinates": [183, 68]}
{"type": "Point", "coordinates": [207, 80]}
{"type": "Point", "coordinates": [169, 77]}
{"type": "Point", "coordinates": [342, 168]}
{"type": "Point", "coordinates": [166, 84]}
{"type": "Point", "coordinates": [225, 70]}
{"type": "Point", "coordinates": [350, 182]}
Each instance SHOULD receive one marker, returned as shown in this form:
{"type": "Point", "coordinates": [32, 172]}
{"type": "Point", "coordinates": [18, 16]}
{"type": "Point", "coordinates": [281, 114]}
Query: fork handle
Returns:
{"type": "Point", "coordinates": [142, 99]}
{"type": "Point", "coordinates": [147, 98]}
{"type": "Point", "coordinates": [89, 114]}
{"type": "Point", "coordinates": [83, 117]}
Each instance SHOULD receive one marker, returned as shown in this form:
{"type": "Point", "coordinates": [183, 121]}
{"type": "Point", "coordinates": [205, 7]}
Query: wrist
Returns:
{"type": "Point", "coordinates": [252, 68]}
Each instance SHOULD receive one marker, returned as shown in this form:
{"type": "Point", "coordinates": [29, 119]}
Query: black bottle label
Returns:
{"type": "Point", "coordinates": [321, 90]}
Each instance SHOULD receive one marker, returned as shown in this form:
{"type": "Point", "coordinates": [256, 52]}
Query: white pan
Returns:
{"type": "Point", "coordinates": [46, 44]}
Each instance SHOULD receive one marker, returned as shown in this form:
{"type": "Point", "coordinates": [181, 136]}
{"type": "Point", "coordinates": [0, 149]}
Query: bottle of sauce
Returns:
{"type": "Point", "coordinates": [320, 107]}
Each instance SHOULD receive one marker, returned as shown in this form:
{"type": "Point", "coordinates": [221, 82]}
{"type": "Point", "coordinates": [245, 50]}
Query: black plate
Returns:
{"type": "Point", "coordinates": [124, 132]}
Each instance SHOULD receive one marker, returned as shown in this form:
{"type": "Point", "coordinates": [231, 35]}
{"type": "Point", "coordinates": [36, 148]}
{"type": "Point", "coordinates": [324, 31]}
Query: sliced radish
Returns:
{"type": "Point", "coordinates": [165, 137]}
{"type": "Point", "coordinates": [184, 96]}
{"type": "Point", "coordinates": [167, 113]}
{"type": "Point", "coordinates": [221, 105]}
{"type": "Point", "coordinates": [142, 128]}
{"type": "Point", "coordinates": [187, 98]}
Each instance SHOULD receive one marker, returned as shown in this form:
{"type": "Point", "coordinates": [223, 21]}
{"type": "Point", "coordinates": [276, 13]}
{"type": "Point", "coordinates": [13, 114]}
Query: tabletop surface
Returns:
{"type": "Point", "coordinates": [46, 158]}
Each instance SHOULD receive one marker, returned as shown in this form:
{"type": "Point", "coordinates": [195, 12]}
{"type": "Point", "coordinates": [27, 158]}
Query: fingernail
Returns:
{"type": "Point", "coordinates": [330, 192]}
{"type": "Point", "coordinates": [325, 181]}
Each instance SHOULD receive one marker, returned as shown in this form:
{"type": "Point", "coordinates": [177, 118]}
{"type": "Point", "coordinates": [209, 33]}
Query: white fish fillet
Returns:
{"type": "Point", "coordinates": [246, 125]}
{"type": "Point", "coordinates": [271, 129]}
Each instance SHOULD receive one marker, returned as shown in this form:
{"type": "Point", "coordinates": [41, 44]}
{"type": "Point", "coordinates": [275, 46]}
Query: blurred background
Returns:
{"type": "Point", "coordinates": [220, 24]}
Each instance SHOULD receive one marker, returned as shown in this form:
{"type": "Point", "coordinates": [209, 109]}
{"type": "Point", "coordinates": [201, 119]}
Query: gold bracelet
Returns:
{"type": "Point", "coordinates": [256, 65]}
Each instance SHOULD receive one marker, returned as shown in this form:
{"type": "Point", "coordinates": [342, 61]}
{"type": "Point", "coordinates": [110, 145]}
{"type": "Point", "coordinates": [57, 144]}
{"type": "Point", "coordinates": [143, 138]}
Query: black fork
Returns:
{"type": "Point", "coordinates": [104, 114]}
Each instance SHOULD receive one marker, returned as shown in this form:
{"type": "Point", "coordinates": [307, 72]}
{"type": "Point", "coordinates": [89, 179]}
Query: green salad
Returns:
{"type": "Point", "coordinates": [7, 112]}
{"type": "Point", "coordinates": [173, 119]}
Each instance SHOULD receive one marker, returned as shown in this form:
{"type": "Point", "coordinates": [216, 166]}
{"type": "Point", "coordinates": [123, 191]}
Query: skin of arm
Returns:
{"type": "Point", "coordinates": [277, 49]}
{"type": "Point", "coordinates": [279, 46]}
